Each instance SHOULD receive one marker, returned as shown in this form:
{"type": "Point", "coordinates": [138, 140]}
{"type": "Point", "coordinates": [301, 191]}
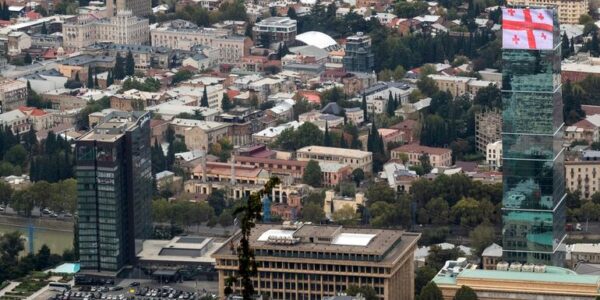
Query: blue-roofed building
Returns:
{"type": "Point", "coordinates": [516, 281]}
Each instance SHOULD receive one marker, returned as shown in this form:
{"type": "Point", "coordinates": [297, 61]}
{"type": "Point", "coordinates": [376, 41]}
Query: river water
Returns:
{"type": "Point", "coordinates": [58, 241]}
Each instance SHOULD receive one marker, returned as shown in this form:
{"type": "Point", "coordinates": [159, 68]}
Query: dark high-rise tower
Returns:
{"type": "Point", "coordinates": [114, 185]}
{"type": "Point", "coordinates": [359, 57]}
{"type": "Point", "coordinates": [533, 171]}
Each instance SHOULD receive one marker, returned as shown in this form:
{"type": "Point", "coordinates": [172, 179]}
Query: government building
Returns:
{"type": "Point", "coordinates": [305, 261]}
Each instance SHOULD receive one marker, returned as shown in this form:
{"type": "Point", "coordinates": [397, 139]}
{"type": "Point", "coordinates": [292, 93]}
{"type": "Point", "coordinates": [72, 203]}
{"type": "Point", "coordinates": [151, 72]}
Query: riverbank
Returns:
{"type": "Point", "coordinates": [38, 223]}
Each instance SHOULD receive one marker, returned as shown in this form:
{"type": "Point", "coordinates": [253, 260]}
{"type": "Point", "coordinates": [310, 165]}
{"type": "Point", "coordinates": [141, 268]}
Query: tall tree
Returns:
{"type": "Point", "coordinates": [248, 214]}
{"type": "Point", "coordinates": [90, 79]}
{"type": "Point", "coordinates": [364, 107]}
{"type": "Point", "coordinates": [566, 48]}
{"type": "Point", "coordinates": [312, 174]}
{"type": "Point", "coordinates": [129, 64]}
{"type": "Point", "coordinates": [390, 108]}
{"type": "Point", "coordinates": [326, 136]}
{"type": "Point", "coordinates": [431, 292]}
{"type": "Point", "coordinates": [204, 99]}
{"type": "Point", "coordinates": [119, 69]}
{"type": "Point", "coordinates": [465, 293]}
{"type": "Point", "coordinates": [226, 102]}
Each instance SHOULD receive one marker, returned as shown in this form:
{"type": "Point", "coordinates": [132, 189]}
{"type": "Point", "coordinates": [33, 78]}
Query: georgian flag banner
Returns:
{"type": "Point", "coordinates": [525, 28]}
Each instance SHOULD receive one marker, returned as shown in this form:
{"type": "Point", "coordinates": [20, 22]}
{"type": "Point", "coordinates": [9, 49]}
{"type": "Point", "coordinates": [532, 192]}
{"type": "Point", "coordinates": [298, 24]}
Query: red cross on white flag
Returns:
{"type": "Point", "coordinates": [527, 29]}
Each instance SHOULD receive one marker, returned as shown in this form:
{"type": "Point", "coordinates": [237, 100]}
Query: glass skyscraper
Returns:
{"type": "Point", "coordinates": [114, 185]}
{"type": "Point", "coordinates": [533, 162]}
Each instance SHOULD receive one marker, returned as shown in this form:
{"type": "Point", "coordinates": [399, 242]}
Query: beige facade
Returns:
{"type": "Point", "coordinates": [199, 134]}
{"type": "Point", "coordinates": [353, 158]}
{"type": "Point", "coordinates": [140, 8]}
{"type": "Point", "coordinates": [13, 93]}
{"type": "Point", "coordinates": [488, 128]}
{"type": "Point", "coordinates": [332, 203]}
{"type": "Point", "coordinates": [569, 11]}
{"type": "Point", "coordinates": [303, 261]}
{"type": "Point", "coordinates": [124, 28]}
{"type": "Point", "coordinates": [183, 35]}
{"type": "Point", "coordinates": [438, 157]}
{"type": "Point", "coordinates": [583, 174]}
{"type": "Point", "coordinates": [493, 155]}
{"type": "Point", "coordinates": [459, 85]}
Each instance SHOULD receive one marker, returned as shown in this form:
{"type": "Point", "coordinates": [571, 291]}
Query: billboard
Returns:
{"type": "Point", "coordinates": [527, 28]}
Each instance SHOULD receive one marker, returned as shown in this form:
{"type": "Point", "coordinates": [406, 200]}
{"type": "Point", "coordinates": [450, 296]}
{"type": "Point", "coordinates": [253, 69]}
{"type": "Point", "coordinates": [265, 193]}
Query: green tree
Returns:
{"type": "Point", "coordinates": [43, 258]}
{"type": "Point", "coordinates": [129, 64]}
{"type": "Point", "coordinates": [423, 275]}
{"type": "Point", "coordinates": [481, 237]}
{"type": "Point", "coordinates": [90, 79]}
{"type": "Point", "coordinates": [431, 292]}
{"type": "Point", "coordinates": [11, 244]}
{"type": "Point", "coordinates": [466, 212]}
{"type": "Point", "coordinates": [312, 174]}
{"type": "Point", "coordinates": [345, 215]}
{"type": "Point", "coordinates": [326, 137]}
{"type": "Point", "coordinates": [118, 71]}
{"type": "Point", "coordinates": [216, 200]}
{"type": "Point", "coordinates": [465, 293]}
{"type": "Point", "coordinates": [358, 175]}
{"type": "Point", "coordinates": [425, 163]}
{"type": "Point", "coordinates": [427, 86]}
{"type": "Point", "coordinates": [226, 103]}
{"type": "Point", "coordinates": [27, 60]}
{"type": "Point", "coordinates": [204, 99]}
{"type": "Point", "coordinates": [364, 107]}
{"type": "Point", "coordinates": [313, 212]}
{"type": "Point", "coordinates": [438, 211]}
{"type": "Point", "coordinates": [6, 192]}
{"type": "Point", "coordinates": [16, 155]}
{"type": "Point", "coordinates": [249, 213]}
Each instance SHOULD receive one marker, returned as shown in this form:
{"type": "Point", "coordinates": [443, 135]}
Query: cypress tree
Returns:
{"type": "Point", "coordinates": [77, 77]}
{"type": "Point", "coordinates": [204, 99]}
{"type": "Point", "coordinates": [343, 143]}
{"type": "Point", "coordinates": [364, 106]}
{"type": "Point", "coordinates": [44, 30]}
{"type": "Point", "coordinates": [390, 105]}
{"type": "Point", "coordinates": [129, 64]}
{"type": "Point", "coordinates": [119, 69]}
{"type": "Point", "coordinates": [109, 79]}
{"type": "Point", "coordinates": [96, 81]}
{"type": "Point", "coordinates": [90, 79]}
{"type": "Point", "coordinates": [326, 137]}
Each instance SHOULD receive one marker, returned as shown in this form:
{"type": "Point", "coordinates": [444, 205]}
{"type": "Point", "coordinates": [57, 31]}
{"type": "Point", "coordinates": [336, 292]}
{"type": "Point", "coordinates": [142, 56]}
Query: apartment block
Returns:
{"type": "Point", "coordinates": [582, 173]}
{"type": "Point", "coordinates": [351, 157]}
{"type": "Point", "coordinates": [13, 93]}
{"type": "Point", "coordinates": [124, 28]}
{"type": "Point", "coordinates": [438, 157]}
{"type": "Point", "coordinates": [488, 128]}
{"type": "Point", "coordinates": [569, 11]}
{"type": "Point", "coordinates": [199, 134]}
{"type": "Point", "coordinates": [275, 30]}
{"type": "Point", "coordinates": [305, 261]}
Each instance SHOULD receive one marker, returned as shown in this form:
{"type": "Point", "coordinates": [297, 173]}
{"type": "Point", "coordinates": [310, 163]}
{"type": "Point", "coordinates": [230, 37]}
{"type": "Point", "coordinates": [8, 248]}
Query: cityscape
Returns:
{"type": "Point", "coordinates": [299, 149]}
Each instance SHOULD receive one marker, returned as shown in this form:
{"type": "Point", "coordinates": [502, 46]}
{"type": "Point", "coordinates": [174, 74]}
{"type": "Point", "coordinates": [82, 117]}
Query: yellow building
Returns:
{"type": "Point", "coordinates": [304, 261]}
{"type": "Point", "coordinates": [569, 11]}
{"type": "Point", "coordinates": [516, 281]}
{"type": "Point", "coordinates": [354, 158]}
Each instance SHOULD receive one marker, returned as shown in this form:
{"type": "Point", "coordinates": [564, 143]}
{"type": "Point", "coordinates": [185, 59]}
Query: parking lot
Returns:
{"type": "Point", "coordinates": [139, 290]}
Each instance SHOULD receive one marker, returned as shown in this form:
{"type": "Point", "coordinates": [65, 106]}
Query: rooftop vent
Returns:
{"type": "Point", "coordinates": [539, 269]}
{"type": "Point", "coordinates": [515, 267]}
{"type": "Point", "coordinates": [528, 267]}
{"type": "Point", "coordinates": [502, 266]}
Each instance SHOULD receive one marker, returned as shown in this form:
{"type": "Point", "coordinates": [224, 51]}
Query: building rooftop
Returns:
{"type": "Point", "coordinates": [277, 21]}
{"type": "Point", "coordinates": [202, 124]}
{"type": "Point", "coordinates": [385, 244]}
{"type": "Point", "coordinates": [186, 249]}
{"type": "Point", "coordinates": [317, 39]}
{"type": "Point", "coordinates": [416, 148]}
{"type": "Point", "coordinates": [114, 126]}
{"type": "Point", "coordinates": [322, 150]}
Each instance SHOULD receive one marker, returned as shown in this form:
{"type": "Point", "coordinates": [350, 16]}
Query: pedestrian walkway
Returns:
{"type": "Point", "coordinates": [9, 287]}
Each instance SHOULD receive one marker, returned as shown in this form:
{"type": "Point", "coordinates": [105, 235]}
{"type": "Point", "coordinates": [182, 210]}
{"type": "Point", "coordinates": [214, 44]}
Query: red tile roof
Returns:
{"type": "Point", "coordinates": [591, 109]}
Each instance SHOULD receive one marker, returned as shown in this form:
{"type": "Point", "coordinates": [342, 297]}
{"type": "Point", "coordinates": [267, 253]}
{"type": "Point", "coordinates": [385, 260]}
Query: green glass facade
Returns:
{"type": "Point", "coordinates": [114, 192]}
{"type": "Point", "coordinates": [533, 162]}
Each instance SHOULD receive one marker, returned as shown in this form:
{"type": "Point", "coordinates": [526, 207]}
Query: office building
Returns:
{"type": "Point", "coordinates": [13, 93]}
{"type": "Point", "coordinates": [438, 157]}
{"type": "Point", "coordinates": [569, 11]}
{"type": "Point", "coordinates": [304, 261]}
{"type": "Point", "coordinates": [124, 28]}
{"type": "Point", "coordinates": [359, 56]}
{"type": "Point", "coordinates": [113, 171]}
{"type": "Point", "coordinates": [274, 30]}
{"type": "Point", "coordinates": [532, 132]}
{"type": "Point", "coordinates": [140, 8]}
{"type": "Point", "coordinates": [351, 157]}
{"type": "Point", "coordinates": [488, 128]}
{"type": "Point", "coordinates": [516, 281]}
{"type": "Point", "coordinates": [582, 173]}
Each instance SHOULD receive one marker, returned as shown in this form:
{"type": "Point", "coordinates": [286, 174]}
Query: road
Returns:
{"type": "Point", "coordinates": [15, 72]}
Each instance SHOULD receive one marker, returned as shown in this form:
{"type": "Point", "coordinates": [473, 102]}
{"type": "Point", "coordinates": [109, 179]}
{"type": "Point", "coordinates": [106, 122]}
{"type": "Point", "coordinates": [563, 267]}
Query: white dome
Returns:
{"type": "Point", "coordinates": [317, 39]}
